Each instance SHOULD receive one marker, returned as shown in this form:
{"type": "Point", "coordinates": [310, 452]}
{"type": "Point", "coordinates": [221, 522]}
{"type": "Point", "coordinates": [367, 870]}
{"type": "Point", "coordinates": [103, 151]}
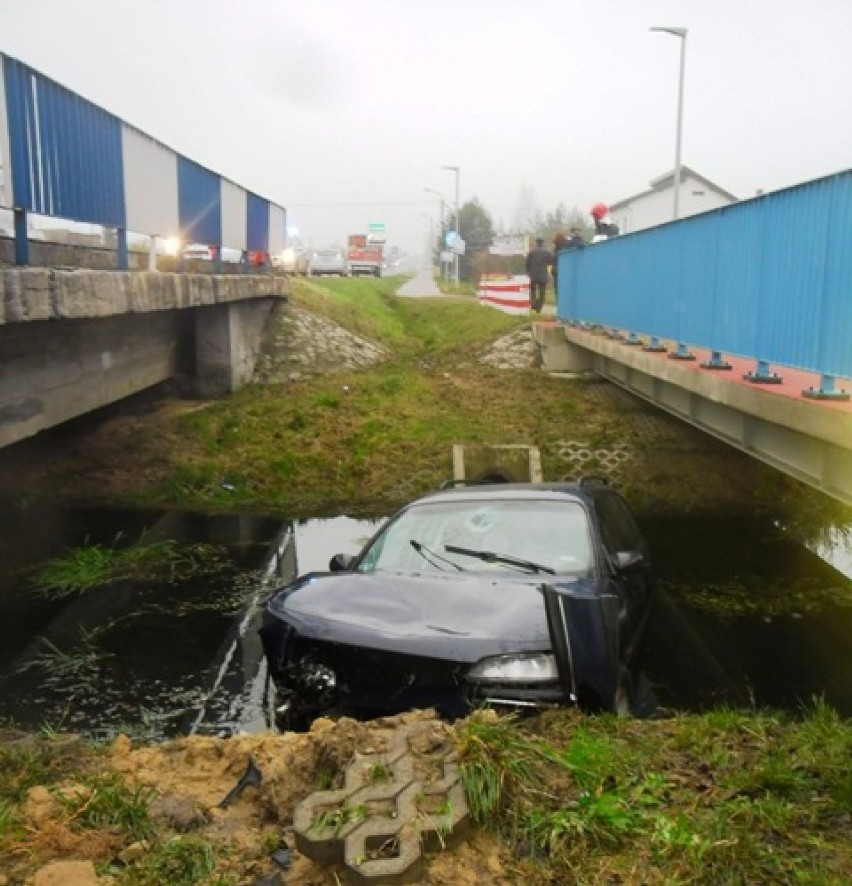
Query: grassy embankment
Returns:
{"type": "Point", "coordinates": [721, 798]}
{"type": "Point", "coordinates": [370, 439]}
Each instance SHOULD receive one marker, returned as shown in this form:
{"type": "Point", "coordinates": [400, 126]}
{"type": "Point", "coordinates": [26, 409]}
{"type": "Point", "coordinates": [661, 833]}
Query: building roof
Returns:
{"type": "Point", "coordinates": [667, 180]}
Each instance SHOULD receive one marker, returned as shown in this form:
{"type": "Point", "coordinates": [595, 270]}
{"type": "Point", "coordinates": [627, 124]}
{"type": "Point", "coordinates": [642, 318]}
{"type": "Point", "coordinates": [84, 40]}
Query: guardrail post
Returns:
{"type": "Point", "coordinates": [22, 244]}
{"type": "Point", "coordinates": [682, 352]}
{"type": "Point", "coordinates": [827, 390]}
{"type": "Point", "coordinates": [716, 362]}
{"type": "Point", "coordinates": [123, 258]}
{"type": "Point", "coordinates": [763, 375]}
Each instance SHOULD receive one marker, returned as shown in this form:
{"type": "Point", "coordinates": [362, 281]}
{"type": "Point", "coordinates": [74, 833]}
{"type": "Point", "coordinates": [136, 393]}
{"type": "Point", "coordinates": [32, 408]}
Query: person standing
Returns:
{"type": "Point", "coordinates": [559, 244]}
{"type": "Point", "coordinates": [575, 239]}
{"type": "Point", "coordinates": [605, 227]}
{"type": "Point", "coordinates": [537, 264]}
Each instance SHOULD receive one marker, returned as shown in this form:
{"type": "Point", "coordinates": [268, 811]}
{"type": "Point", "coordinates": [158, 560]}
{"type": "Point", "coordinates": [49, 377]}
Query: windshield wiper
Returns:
{"type": "Point", "coordinates": [431, 556]}
{"type": "Point", "coordinates": [492, 557]}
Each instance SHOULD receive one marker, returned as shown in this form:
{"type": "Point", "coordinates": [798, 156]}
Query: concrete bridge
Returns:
{"type": "Point", "coordinates": [808, 438]}
{"type": "Point", "coordinates": [738, 321]}
{"type": "Point", "coordinates": [73, 340]}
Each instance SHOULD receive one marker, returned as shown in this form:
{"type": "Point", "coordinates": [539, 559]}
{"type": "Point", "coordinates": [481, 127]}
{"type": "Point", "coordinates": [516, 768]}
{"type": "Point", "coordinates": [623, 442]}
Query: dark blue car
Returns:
{"type": "Point", "coordinates": [507, 595]}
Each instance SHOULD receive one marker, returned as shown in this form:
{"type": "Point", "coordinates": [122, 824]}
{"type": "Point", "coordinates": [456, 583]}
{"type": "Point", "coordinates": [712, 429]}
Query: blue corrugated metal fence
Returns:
{"type": "Point", "coordinates": [769, 278]}
{"type": "Point", "coordinates": [72, 159]}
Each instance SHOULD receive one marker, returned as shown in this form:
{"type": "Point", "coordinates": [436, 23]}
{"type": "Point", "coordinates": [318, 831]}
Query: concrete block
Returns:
{"type": "Point", "coordinates": [26, 295]}
{"type": "Point", "coordinates": [557, 353]}
{"type": "Point", "coordinates": [394, 806]}
{"type": "Point", "coordinates": [509, 463]}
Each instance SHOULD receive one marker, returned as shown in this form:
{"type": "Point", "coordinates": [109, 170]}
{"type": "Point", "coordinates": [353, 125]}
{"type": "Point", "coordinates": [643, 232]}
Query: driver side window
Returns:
{"type": "Point", "coordinates": [618, 528]}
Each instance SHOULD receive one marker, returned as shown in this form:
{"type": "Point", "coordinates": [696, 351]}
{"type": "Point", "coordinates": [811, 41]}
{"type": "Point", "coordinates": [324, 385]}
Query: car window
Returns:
{"type": "Point", "coordinates": [618, 528]}
{"type": "Point", "coordinates": [552, 534]}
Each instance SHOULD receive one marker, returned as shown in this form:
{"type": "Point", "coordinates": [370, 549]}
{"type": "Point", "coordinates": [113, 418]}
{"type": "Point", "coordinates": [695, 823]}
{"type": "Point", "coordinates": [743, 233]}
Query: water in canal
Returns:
{"type": "Point", "coordinates": [746, 616]}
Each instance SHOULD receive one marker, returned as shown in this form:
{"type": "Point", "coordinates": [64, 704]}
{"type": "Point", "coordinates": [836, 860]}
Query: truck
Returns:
{"type": "Point", "coordinates": [365, 254]}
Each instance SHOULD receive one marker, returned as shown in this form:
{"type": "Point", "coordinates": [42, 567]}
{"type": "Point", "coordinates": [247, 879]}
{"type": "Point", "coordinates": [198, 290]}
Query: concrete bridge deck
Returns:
{"type": "Point", "coordinates": [72, 341]}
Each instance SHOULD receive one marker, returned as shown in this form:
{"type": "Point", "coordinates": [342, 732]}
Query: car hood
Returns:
{"type": "Point", "coordinates": [451, 617]}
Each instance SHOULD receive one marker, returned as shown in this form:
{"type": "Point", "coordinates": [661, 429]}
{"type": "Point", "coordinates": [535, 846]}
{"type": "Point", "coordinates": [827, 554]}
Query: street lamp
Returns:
{"type": "Point", "coordinates": [678, 32]}
{"type": "Point", "coordinates": [440, 196]}
{"type": "Point", "coordinates": [431, 235]}
{"type": "Point", "coordinates": [455, 169]}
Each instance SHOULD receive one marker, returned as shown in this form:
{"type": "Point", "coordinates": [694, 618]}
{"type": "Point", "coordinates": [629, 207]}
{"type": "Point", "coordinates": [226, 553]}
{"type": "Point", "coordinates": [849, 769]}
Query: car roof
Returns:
{"type": "Point", "coordinates": [583, 489]}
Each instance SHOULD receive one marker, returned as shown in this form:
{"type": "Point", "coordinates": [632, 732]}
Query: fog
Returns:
{"type": "Point", "coordinates": [345, 112]}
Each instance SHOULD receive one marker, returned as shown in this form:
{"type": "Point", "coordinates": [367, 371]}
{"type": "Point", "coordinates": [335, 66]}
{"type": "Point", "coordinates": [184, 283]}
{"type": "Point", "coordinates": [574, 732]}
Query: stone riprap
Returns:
{"type": "Point", "coordinates": [300, 345]}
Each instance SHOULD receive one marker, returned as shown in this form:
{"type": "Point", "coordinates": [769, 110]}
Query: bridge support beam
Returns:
{"type": "Point", "coordinates": [557, 353]}
{"type": "Point", "coordinates": [227, 344]}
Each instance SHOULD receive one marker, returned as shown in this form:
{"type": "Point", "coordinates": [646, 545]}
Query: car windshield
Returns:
{"type": "Point", "coordinates": [504, 536]}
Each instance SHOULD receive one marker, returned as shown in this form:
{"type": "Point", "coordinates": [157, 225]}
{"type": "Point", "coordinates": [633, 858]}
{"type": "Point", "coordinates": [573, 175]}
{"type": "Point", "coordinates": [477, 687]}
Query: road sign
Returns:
{"type": "Point", "coordinates": [377, 227]}
{"type": "Point", "coordinates": [509, 244]}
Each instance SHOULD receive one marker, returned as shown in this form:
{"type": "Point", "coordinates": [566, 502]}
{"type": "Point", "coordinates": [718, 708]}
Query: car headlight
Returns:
{"type": "Point", "coordinates": [534, 667]}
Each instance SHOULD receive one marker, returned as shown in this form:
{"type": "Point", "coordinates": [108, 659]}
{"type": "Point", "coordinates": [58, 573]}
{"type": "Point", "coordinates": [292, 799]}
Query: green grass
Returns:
{"type": "Point", "coordinates": [178, 861]}
{"type": "Point", "coordinates": [366, 441]}
{"type": "Point", "coordinates": [379, 435]}
{"type": "Point", "coordinates": [592, 800]}
{"type": "Point", "coordinates": [80, 569]}
{"type": "Point", "coordinates": [105, 802]}
{"type": "Point", "coordinates": [729, 797]}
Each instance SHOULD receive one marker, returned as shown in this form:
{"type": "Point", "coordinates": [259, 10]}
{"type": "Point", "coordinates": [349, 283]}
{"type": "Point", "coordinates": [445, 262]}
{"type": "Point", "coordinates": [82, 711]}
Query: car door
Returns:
{"type": "Point", "coordinates": [628, 560]}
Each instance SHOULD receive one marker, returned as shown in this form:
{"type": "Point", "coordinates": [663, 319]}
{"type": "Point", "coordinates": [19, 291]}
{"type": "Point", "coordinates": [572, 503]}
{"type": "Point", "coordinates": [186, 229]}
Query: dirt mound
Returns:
{"type": "Point", "coordinates": [191, 782]}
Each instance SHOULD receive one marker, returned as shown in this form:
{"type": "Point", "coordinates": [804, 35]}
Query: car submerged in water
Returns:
{"type": "Point", "coordinates": [519, 596]}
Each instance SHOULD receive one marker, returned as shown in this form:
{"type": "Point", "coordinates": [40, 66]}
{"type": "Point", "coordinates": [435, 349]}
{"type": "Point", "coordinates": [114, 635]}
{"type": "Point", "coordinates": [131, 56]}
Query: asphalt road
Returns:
{"type": "Point", "coordinates": [421, 285]}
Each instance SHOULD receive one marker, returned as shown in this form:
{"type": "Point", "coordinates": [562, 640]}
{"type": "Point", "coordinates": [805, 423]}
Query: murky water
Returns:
{"type": "Point", "coordinates": [128, 655]}
{"type": "Point", "coordinates": [745, 616]}
{"type": "Point", "coordinates": [748, 616]}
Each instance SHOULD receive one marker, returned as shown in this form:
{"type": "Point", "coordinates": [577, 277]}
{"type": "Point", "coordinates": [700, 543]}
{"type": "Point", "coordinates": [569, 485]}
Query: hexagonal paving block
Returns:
{"type": "Point", "coordinates": [393, 807]}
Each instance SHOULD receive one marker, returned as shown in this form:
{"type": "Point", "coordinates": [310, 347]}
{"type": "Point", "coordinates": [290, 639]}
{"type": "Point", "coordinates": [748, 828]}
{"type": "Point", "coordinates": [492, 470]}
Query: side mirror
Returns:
{"type": "Point", "coordinates": [341, 562]}
{"type": "Point", "coordinates": [627, 560]}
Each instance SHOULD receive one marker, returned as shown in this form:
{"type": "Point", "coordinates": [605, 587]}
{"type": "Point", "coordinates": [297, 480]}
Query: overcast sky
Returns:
{"type": "Point", "coordinates": [344, 111]}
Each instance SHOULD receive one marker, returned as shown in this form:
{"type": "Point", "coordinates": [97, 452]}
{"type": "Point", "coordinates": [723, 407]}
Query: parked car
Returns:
{"type": "Point", "coordinates": [328, 261]}
{"type": "Point", "coordinates": [508, 595]}
{"type": "Point", "coordinates": [293, 259]}
{"type": "Point", "coordinates": [199, 252]}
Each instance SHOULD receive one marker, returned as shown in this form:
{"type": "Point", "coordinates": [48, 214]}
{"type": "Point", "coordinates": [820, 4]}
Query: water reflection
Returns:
{"type": "Point", "coordinates": [746, 616]}
{"type": "Point", "coordinates": [836, 549]}
{"type": "Point", "coordinates": [319, 540]}
{"type": "Point", "coordinates": [126, 655]}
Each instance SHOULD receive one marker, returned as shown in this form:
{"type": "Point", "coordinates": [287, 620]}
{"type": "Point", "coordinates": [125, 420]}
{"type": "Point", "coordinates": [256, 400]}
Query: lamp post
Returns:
{"type": "Point", "coordinates": [678, 32]}
{"type": "Point", "coordinates": [455, 169]}
{"type": "Point", "coordinates": [430, 235]}
{"type": "Point", "coordinates": [440, 196]}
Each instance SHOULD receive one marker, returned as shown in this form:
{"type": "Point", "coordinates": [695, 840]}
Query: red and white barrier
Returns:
{"type": "Point", "coordinates": [511, 295]}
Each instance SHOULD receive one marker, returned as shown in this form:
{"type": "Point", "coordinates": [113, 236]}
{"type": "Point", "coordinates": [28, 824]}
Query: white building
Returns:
{"type": "Point", "coordinates": [655, 206]}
